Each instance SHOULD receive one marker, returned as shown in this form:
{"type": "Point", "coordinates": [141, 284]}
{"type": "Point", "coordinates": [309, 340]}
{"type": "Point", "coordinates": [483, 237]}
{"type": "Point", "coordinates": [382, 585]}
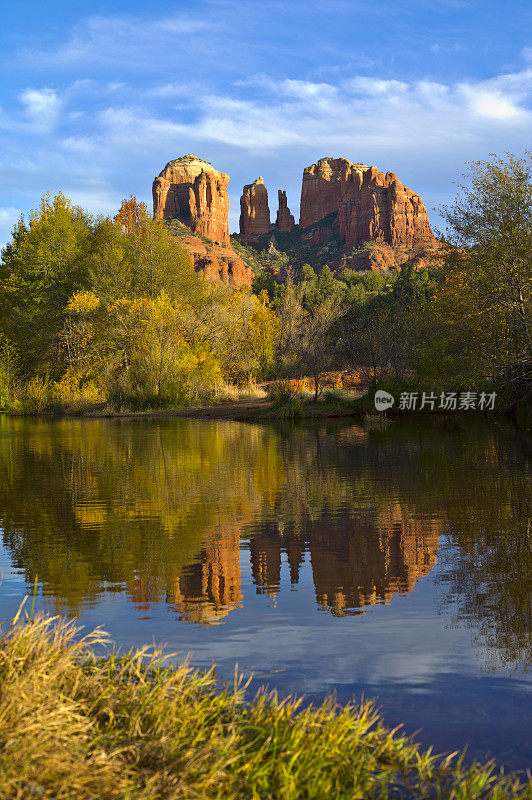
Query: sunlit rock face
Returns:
{"type": "Point", "coordinates": [368, 205]}
{"type": "Point", "coordinates": [194, 192]}
{"type": "Point", "coordinates": [254, 210]}
{"type": "Point", "coordinates": [217, 262]}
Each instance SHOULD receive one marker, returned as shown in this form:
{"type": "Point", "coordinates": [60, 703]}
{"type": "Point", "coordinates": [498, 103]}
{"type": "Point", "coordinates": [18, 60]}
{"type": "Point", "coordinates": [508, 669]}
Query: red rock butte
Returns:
{"type": "Point", "coordinates": [285, 220]}
{"type": "Point", "coordinates": [348, 202]}
{"type": "Point", "coordinates": [194, 192]}
{"type": "Point", "coordinates": [369, 205]}
{"type": "Point", "coordinates": [255, 212]}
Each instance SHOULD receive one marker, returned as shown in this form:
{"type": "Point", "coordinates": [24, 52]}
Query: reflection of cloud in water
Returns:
{"type": "Point", "coordinates": [161, 510]}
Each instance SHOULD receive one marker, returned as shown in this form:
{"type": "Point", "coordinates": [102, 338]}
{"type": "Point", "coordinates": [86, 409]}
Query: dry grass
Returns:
{"type": "Point", "coordinates": [129, 726]}
{"type": "Point", "coordinates": [229, 393]}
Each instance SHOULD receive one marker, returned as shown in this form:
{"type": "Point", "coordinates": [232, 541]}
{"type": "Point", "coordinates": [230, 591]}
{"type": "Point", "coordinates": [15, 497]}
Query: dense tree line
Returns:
{"type": "Point", "coordinates": [107, 309]}
{"type": "Point", "coordinates": [99, 309]}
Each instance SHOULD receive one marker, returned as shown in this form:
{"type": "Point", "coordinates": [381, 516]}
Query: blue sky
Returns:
{"type": "Point", "coordinates": [96, 97]}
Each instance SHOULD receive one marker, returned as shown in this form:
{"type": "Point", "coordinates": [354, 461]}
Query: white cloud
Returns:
{"type": "Point", "coordinates": [79, 144]}
{"type": "Point", "coordinates": [120, 40]}
{"type": "Point", "coordinates": [371, 114]}
{"type": "Point", "coordinates": [176, 89]}
{"type": "Point", "coordinates": [302, 90]}
{"type": "Point", "coordinates": [42, 106]}
{"type": "Point", "coordinates": [492, 105]}
{"type": "Point", "coordinates": [377, 86]}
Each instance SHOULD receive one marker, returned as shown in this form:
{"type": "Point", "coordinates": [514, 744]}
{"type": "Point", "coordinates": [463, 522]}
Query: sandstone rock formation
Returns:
{"type": "Point", "coordinates": [195, 193]}
{"type": "Point", "coordinates": [216, 261]}
{"type": "Point", "coordinates": [364, 204]}
{"type": "Point", "coordinates": [254, 210]}
{"type": "Point", "coordinates": [285, 220]}
{"type": "Point", "coordinates": [380, 257]}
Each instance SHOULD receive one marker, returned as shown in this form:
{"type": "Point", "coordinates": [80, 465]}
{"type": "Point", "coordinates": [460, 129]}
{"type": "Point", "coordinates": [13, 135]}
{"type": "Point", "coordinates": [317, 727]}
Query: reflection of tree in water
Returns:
{"type": "Point", "coordinates": [96, 505]}
{"type": "Point", "coordinates": [158, 509]}
{"type": "Point", "coordinates": [489, 579]}
{"type": "Point", "coordinates": [477, 480]}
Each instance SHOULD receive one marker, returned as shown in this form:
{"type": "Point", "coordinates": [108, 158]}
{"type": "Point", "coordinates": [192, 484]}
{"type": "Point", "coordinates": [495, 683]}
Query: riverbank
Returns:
{"type": "Point", "coordinates": [74, 726]}
{"type": "Point", "coordinates": [331, 406]}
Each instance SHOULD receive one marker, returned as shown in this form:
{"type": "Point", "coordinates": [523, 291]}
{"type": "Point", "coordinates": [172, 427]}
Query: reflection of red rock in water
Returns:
{"type": "Point", "coordinates": [145, 590]}
{"type": "Point", "coordinates": [374, 562]}
{"type": "Point", "coordinates": [355, 563]}
{"type": "Point", "coordinates": [210, 588]}
{"type": "Point", "coordinates": [265, 555]}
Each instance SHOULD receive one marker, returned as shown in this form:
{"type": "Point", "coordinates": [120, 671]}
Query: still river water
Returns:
{"type": "Point", "coordinates": [392, 564]}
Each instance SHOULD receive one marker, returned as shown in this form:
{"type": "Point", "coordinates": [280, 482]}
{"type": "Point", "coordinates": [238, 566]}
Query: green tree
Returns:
{"type": "Point", "coordinates": [307, 341]}
{"type": "Point", "coordinates": [381, 335]}
{"type": "Point", "coordinates": [135, 255]}
{"type": "Point", "coordinates": [482, 311]}
{"type": "Point", "coordinates": [45, 262]}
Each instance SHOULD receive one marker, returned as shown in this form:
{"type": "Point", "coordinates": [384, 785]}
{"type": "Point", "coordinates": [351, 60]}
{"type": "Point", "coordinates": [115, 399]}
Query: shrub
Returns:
{"type": "Point", "coordinates": [34, 397]}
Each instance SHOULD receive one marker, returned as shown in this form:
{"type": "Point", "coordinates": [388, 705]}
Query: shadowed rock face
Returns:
{"type": "Point", "coordinates": [370, 206]}
{"type": "Point", "coordinates": [285, 220]}
{"type": "Point", "coordinates": [254, 210]}
{"type": "Point", "coordinates": [194, 192]}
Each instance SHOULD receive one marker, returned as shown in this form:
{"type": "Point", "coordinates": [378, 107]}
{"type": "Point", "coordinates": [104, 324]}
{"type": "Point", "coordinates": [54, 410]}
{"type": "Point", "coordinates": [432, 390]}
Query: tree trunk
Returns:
{"type": "Point", "coordinates": [316, 386]}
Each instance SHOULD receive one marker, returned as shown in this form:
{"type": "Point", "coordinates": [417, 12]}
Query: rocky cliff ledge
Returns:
{"type": "Point", "coordinates": [194, 192]}
{"type": "Point", "coordinates": [369, 206]}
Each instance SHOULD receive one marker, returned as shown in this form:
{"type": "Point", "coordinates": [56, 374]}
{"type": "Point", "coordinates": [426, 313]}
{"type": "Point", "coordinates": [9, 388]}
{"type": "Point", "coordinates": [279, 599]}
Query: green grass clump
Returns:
{"type": "Point", "coordinates": [130, 726]}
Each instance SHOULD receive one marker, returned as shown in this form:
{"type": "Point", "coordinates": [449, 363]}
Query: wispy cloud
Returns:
{"type": "Point", "coordinates": [42, 107]}
{"type": "Point", "coordinates": [119, 40]}
{"type": "Point", "coordinates": [8, 218]}
{"type": "Point", "coordinates": [372, 113]}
